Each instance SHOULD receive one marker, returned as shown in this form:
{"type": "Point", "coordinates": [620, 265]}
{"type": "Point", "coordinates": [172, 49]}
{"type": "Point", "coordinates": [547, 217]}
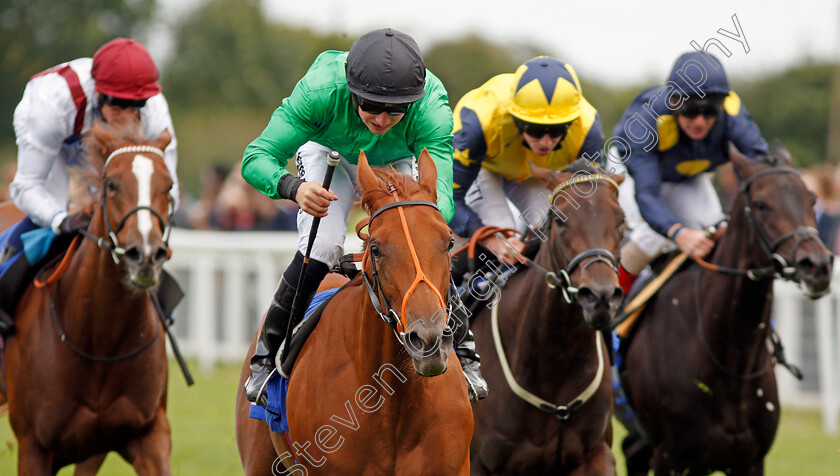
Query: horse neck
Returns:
{"type": "Point", "coordinates": [738, 315]}
{"type": "Point", "coordinates": [94, 301]}
{"type": "Point", "coordinates": [547, 327]}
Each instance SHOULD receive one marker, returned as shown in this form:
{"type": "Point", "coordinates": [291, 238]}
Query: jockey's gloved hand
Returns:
{"type": "Point", "coordinates": [74, 222]}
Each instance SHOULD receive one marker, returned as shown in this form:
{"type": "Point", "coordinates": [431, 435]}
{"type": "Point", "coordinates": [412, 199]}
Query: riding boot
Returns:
{"type": "Point", "coordinates": [465, 350]}
{"type": "Point", "coordinates": [277, 321]}
{"type": "Point", "coordinates": [271, 337]}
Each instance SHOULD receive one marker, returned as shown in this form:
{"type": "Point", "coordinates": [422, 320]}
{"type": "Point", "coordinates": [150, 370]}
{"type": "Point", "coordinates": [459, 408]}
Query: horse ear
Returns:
{"type": "Point", "coordinates": [367, 179]}
{"type": "Point", "coordinates": [428, 172]}
{"type": "Point", "coordinates": [104, 140]}
{"type": "Point", "coordinates": [780, 152]}
{"type": "Point", "coordinates": [547, 176]}
{"type": "Point", "coordinates": [742, 163]}
{"type": "Point", "coordinates": [163, 140]}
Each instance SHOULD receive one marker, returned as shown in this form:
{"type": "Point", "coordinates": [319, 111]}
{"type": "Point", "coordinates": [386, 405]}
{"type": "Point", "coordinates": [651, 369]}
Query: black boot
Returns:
{"type": "Point", "coordinates": [465, 350]}
{"type": "Point", "coordinates": [271, 337]}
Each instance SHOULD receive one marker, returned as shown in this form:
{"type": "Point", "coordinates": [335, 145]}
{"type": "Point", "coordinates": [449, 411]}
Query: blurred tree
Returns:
{"type": "Point", "coordinates": [38, 34]}
{"type": "Point", "coordinates": [468, 62]}
{"type": "Point", "coordinates": [228, 56]}
{"type": "Point", "coordinates": [793, 106]}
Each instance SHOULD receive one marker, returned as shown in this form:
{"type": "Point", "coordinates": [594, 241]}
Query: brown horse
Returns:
{"type": "Point", "coordinates": [547, 319]}
{"type": "Point", "coordinates": [698, 369]}
{"type": "Point", "coordinates": [366, 397]}
{"type": "Point", "coordinates": [86, 370]}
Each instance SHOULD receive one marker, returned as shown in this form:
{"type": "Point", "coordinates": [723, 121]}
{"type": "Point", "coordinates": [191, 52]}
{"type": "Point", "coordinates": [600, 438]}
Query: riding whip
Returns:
{"type": "Point", "coordinates": [332, 160]}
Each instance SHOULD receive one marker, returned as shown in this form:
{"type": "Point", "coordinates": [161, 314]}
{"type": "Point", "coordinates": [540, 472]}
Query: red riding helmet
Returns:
{"type": "Point", "coordinates": [124, 69]}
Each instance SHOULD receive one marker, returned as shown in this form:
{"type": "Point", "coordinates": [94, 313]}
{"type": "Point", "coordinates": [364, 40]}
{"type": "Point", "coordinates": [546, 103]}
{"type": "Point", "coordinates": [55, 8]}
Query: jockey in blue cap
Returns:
{"type": "Point", "coordinates": [669, 139]}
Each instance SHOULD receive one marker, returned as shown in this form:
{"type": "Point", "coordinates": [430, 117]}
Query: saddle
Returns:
{"type": "Point", "coordinates": [286, 362]}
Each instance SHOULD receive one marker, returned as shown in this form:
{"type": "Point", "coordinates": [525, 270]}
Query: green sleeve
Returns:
{"type": "Point", "coordinates": [291, 125]}
{"type": "Point", "coordinates": [434, 132]}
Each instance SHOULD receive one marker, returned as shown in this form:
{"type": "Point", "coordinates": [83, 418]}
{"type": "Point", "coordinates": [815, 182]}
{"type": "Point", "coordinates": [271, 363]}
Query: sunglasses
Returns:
{"type": "Point", "coordinates": [538, 131]}
{"type": "Point", "coordinates": [122, 103]}
{"type": "Point", "coordinates": [377, 108]}
{"type": "Point", "coordinates": [691, 111]}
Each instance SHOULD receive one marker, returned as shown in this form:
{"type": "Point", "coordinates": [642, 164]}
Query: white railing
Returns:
{"type": "Point", "coordinates": [229, 280]}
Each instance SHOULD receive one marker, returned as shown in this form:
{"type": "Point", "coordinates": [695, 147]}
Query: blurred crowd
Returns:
{"type": "Point", "coordinates": [226, 202]}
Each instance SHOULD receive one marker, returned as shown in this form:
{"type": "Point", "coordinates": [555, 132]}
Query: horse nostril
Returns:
{"type": "Point", "coordinates": [161, 254]}
{"type": "Point", "coordinates": [414, 342]}
{"type": "Point", "coordinates": [133, 255]}
{"type": "Point", "coordinates": [817, 267]}
{"type": "Point", "coordinates": [617, 296]}
{"type": "Point", "coordinates": [587, 297]}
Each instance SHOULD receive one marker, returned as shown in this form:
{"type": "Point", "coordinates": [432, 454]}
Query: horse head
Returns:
{"type": "Point", "coordinates": [407, 259]}
{"type": "Point", "coordinates": [779, 210]}
{"type": "Point", "coordinates": [133, 216]}
{"type": "Point", "coordinates": [583, 232]}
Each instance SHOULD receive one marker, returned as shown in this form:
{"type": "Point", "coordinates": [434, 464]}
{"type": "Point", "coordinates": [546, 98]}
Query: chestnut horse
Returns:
{"type": "Point", "coordinates": [85, 373]}
{"type": "Point", "coordinates": [373, 397]}
{"type": "Point", "coordinates": [699, 373]}
{"type": "Point", "coordinates": [542, 335]}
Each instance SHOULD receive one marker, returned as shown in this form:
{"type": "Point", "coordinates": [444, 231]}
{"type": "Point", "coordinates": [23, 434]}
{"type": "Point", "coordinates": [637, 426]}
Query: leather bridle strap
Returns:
{"type": "Point", "coordinates": [420, 277]}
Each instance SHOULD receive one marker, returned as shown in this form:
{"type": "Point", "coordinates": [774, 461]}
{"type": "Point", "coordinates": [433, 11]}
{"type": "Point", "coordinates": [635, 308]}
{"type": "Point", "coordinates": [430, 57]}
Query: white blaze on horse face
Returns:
{"type": "Point", "coordinates": [143, 169]}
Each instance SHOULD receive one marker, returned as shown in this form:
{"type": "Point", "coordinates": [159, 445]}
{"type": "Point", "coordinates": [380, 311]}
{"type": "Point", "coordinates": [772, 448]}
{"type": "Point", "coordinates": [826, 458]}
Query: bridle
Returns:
{"type": "Point", "coordinates": [564, 268]}
{"type": "Point", "coordinates": [380, 302]}
{"type": "Point", "coordinates": [112, 243]}
{"type": "Point", "coordinates": [780, 267]}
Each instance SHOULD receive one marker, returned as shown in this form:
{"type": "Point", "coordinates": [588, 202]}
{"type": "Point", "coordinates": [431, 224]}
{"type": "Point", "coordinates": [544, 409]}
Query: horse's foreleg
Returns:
{"type": "Point", "coordinates": [149, 452]}
{"type": "Point", "coordinates": [34, 460]}
{"type": "Point", "coordinates": [90, 466]}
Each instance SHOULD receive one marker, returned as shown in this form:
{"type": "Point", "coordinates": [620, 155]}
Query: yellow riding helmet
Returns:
{"type": "Point", "coordinates": [546, 91]}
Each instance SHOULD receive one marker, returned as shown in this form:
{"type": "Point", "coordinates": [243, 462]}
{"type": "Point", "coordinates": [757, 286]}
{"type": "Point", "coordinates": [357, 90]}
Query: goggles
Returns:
{"type": "Point", "coordinates": [691, 111]}
{"type": "Point", "coordinates": [122, 103]}
{"type": "Point", "coordinates": [377, 108]}
{"type": "Point", "coordinates": [709, 107]}
{"type": "Point", "coordinates": [538, 131]}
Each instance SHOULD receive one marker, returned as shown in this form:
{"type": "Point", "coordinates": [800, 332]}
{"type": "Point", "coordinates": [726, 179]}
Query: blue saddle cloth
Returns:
{"type": "Point", "coordinates": [25, 235]}
{"type": "Point", "coordinates": [277, 387]}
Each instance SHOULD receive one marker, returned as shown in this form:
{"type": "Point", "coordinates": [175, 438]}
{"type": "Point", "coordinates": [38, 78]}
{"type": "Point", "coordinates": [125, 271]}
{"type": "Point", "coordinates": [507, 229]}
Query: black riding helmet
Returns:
{"type": "Point", "coordinates": [386, 66]}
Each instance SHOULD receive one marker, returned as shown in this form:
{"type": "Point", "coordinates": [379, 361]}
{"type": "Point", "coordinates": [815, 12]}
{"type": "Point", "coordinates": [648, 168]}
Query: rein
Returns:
{"type": "Point", "coordinates": [82, 353]}
{"type": "Point", "coordinates": [708, 349]}
{"type": "Point", "coordinates": [113, 244]}
{"type": "Point", "coordinates": [377, 296]}
{"type": "Point", "coordinates": [562, 412]}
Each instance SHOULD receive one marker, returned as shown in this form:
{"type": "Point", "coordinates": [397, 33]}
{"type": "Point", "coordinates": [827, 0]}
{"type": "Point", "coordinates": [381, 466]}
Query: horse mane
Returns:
{"type": "Point", "coordinates": [86, 176]}
{"type": "Point", "coordinates": [405, 186]}
{"type": "Point", "coordinates": [583, 165]}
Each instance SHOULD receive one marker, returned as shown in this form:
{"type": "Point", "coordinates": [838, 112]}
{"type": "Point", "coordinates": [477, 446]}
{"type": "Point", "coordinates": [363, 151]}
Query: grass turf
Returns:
{"type": "Point", "coordinates": [203, 437]}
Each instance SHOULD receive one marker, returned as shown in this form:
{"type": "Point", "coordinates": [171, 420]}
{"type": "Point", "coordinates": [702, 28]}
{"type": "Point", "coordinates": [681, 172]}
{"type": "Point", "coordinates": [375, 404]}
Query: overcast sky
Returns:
{"type": "Point", "coordinates": [619, 43]}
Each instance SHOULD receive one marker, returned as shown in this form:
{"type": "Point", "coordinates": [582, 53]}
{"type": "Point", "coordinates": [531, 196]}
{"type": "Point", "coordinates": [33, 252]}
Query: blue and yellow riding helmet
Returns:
{"type": "Point", "coordinates": [546, 91]}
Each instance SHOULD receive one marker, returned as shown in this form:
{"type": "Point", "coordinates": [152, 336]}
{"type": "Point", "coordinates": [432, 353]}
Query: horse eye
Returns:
{"type": "Point", "coordinates": [451, 243]}
{"type": "Point", "coordinates": [760, 206]}
{"type": "Point", "coordinates": [375, 251]}
{"type": "Point", "coordinates": [110, 186]}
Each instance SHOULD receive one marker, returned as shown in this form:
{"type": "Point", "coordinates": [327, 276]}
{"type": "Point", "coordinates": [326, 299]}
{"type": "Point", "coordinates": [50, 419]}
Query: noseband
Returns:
{"type": "Point", "coordinates": [396, 321]}
{"type": "Point", "coordinates": [113, 245]}
{"type": "Point", "coordinates": [562, 277]}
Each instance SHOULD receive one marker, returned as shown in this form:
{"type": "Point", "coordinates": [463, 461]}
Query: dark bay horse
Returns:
{"type": "Point", "coordinates": [85, 372]}
{"type": "Point", "coordinates": [698, 369]}
{"type": "Point", "coordinates": [548, 318]}
{"type": "Point", "coordinates": [374, 397]}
